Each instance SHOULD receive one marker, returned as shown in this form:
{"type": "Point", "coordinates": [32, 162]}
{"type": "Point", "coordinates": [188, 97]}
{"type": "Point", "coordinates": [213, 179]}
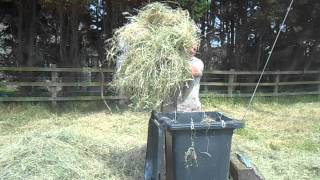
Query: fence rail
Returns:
{"type": "Point", "coordinates": [214, 83]}
{"type": "Point", "coordinates": [232, 72]}
{"type": "Point", "coordinates": [53, 69]}
{"type": "Point", "coordinates": [274, 81]}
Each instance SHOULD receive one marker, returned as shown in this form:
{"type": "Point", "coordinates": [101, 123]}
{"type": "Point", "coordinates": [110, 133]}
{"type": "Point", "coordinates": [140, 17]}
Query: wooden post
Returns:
{"type": "Point", "coordinates": [239, 171]}
{"type": "Point", "coordinates": [54, 79]}
{"type": "Point", "coordinates": [319, 84]}
{"type": "Point", "coordinates": [277, 81]}
{"type": "Point", "coordinates": [205, 87]}
{"type": "Point", "coordinates": [230, 82]}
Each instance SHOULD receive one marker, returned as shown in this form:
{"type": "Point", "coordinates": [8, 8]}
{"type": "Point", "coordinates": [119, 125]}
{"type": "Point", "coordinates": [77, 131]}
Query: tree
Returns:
{"type": "Point", "coordinates": [236, 33]}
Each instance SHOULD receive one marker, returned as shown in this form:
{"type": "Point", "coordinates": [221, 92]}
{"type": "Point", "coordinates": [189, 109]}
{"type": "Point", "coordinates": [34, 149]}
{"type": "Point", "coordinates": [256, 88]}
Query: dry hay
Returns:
{"type": "Point", "coordinates": [53, 155]}
{"type": "Point", "coordinates": [154, 48]}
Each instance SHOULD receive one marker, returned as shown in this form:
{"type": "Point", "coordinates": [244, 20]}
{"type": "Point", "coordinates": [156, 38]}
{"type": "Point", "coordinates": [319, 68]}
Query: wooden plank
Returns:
{"type": "Point", "coordinates": [234, 84]}
{"type": "Point", "coordinates": [259, 72]}
{"type": "Point", "coordinates": [276, 87]}
{"type": "Point", "coordinates": [89, 98]}
{"type": "Point", "coordinates": [319, 84]}
{"type": "Point", "coordinates": [261, 84]}
{"type": "Point", "coordinates": [260, 94]}
{"type": "Point", "coordinates": [231, 80]}
{"type": "Point", "coordinates": [44, 69]}
{"type": "Point", "coordinates": [54, 79]}
{"type": "Point", "coordinates": [70, 84]}
{"type": "Point", "coordinates": [76, 98]}
{"type": "Point", "coordinates": [299, 83]}
{"type": "Point", "coordinates": [239, 171]}
{"type": "Point", "coordinates": [93, 84]}
{"type": "Point", "coordinates": [48, 69]}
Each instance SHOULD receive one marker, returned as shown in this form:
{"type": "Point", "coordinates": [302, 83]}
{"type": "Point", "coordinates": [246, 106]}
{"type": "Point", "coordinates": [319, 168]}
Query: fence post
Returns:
{"type": "Point", "coordinates": [54, 80]}
{"type": "Point", "coordinates": [319, 84]}
{"type": "Point", "coordinates": [205, 87]}
{"type": "Point", "coordinates": [230, 82]}
{"type": "Point", "coordinates": [277, 81]}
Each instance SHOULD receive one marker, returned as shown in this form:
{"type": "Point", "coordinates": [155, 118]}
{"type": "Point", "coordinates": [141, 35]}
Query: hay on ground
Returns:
{"type": "Point", "coordinates": [154, 49]}
{"type": "Point", "coordinates": [53, 155]}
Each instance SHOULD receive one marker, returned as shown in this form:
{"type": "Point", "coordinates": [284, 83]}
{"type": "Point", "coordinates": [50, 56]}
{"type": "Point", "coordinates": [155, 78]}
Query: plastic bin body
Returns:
{"type": "Point", "coordinates": [212, 144]}
{"type": "Point", "coordinates": [215, 167]}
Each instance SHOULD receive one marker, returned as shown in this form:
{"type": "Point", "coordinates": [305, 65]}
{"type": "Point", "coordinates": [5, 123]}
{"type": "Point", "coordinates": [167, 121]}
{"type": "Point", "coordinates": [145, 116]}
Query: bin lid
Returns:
{"type": "Point", "coordinates": [200, 120]}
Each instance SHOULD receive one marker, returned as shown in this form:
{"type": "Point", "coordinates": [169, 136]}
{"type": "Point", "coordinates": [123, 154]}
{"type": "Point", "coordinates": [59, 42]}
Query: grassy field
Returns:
{"type": "Point", "coordinates": [83, 141]}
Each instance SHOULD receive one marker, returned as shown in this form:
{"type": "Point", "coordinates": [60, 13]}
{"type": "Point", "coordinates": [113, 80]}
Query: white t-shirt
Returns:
{"type": "Point", "coordinates": [188, 99]}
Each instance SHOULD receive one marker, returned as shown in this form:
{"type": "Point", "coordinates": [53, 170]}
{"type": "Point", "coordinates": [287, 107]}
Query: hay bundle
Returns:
{"type": "Point", "coordinates": [52, 155]}
{"type": "Point", "coordinates": [155, 61]}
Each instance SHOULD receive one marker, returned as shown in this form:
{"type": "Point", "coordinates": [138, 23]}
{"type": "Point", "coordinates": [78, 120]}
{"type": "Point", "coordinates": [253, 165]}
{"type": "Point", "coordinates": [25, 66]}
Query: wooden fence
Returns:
{"type": "Point", "coordinates": [233, 81]}
{"type": "Point", "coordinates": [214, 83]}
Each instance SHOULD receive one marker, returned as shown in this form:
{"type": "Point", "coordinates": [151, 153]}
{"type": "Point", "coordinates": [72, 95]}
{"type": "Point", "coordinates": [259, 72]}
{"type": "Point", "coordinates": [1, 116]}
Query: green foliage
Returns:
{"type": "Point", "coordinates": [7, 89]}
{"type": "Point", "coordinates": [196, 8]}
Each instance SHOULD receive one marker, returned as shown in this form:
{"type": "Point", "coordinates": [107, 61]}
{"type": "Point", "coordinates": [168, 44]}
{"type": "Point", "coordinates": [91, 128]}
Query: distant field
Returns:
{"type": "Point", "coordinates": [282, 137]}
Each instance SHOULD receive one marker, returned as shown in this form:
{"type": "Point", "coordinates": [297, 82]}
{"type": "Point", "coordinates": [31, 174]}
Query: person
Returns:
{"type": "Point", "coordinates": [187, 99]}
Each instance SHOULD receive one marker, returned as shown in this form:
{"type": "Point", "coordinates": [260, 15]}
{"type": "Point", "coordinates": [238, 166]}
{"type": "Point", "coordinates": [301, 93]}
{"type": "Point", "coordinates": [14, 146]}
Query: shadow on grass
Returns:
{"type": "Point", "coordinates": [264, 111]}
{"type": "Point", "coordinates": [66, 106]}
{"type": "Point", "coordinates": [287, 100]}
{"type": "Point", "coordinates": [17, 114]}
{"type": "Point", "coordinates": [283, 100]}
{"type": "Point", "coordinates": [248, 133]}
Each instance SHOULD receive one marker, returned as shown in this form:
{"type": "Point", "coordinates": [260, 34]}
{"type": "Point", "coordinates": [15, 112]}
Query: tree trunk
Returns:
{"type": "Point", "coordinates": [32, 35]}
{"type": "Point", "coordinates": [62, 42]}
{"type": "Point", "coordinates": [74, 40]}
{"type": "Point", "coordinates": [20, 32]}
{"type": "Point", "coordinates": [259, 53]}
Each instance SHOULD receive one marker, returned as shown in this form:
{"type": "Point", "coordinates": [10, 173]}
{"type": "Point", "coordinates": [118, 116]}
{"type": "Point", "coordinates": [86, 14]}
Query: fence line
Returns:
{"type": "Point", "coordinates": [210, 85]}
{"type": "Point", "coordinates": [74, 98]}
{"type": "Point", "coordinates": [259, 72]}
{"type": "Point", "coordinates": [87, 69]}
{"type": "Point", "coordinates": [53, 69]}
{"type": "Point", "coordinates": [233, 76]}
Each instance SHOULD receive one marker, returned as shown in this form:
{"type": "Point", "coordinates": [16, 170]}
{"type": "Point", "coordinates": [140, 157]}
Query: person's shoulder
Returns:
{"type": "Point", "coordinates": [197, 62]}
{"type": "Point", "coordinates": [196, 59]}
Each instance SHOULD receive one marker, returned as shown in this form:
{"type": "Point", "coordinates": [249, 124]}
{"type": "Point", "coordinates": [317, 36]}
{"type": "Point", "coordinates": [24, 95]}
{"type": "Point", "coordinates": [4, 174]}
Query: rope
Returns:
{"type": "Point", "coordinates": [102, 87]}
{"type": "Point", "coordinates": [190, 156]}
{"type": "Point", "coordinates": [265, 66]}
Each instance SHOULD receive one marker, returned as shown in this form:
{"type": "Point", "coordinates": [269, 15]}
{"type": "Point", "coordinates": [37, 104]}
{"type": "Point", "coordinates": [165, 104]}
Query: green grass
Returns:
{"type": "Point", "coordinates": [282, 137]}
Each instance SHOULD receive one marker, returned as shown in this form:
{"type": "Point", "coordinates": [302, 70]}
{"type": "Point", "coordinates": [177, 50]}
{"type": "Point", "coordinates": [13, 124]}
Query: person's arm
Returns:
{"type": "Point", "coordinates": [195, 71]}
{"type": "Point", "coordinates": [197, 68]}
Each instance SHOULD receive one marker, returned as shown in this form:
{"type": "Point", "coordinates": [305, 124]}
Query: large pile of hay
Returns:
{"type": "Point", "coordinates": [52, 155]}
{"type": "Point", "coordinates": [154, 49]}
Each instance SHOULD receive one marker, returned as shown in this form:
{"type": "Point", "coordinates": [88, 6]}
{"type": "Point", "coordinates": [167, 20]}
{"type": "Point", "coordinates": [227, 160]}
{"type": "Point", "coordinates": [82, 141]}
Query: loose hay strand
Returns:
{"type": "Point", "coordinates": [154, 48]}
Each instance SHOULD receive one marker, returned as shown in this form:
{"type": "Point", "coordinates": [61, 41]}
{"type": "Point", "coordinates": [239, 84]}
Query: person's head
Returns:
{"type": "Point", "coordinates": [193, 50]}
